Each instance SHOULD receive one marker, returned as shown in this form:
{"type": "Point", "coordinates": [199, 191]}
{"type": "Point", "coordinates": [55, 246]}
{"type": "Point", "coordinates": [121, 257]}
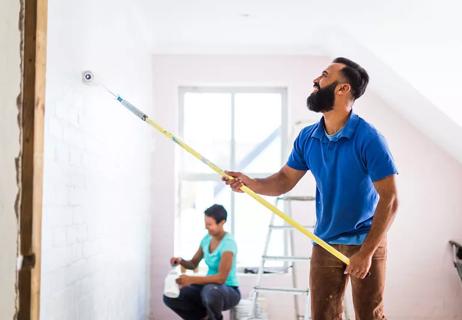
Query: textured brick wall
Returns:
{"type": "Point", "coordinates": [98, 180]}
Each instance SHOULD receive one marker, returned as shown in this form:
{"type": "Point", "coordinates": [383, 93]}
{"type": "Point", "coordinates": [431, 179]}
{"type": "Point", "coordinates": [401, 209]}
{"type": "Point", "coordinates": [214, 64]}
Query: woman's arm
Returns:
{"type": "Point", "coordinates": [194, 262]}
{"type": "Point", "coordinates": [226, 263]}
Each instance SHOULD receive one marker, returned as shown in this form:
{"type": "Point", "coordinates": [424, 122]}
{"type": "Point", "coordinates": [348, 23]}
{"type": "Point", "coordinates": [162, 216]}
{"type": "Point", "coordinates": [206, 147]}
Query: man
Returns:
{"type": "Point", "coordinates": [356, 197]}
{"type": "Point", "coordinates": [205, 297]}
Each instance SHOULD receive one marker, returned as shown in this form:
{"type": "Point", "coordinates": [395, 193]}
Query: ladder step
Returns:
{"type": "Point", "coordinates": [285, 290]}
{"type": "Point", "coordinates": [289, 227]}
{"type": "Point", "coordinates": [285, 258]}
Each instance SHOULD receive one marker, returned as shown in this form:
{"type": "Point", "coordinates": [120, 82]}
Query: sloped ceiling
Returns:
{"type": "Point", "coordinates": [411, 48]}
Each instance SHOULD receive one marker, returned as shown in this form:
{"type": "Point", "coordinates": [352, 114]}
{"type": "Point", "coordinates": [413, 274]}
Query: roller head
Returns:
{"type": "Point", "coordinates": [88, 77]}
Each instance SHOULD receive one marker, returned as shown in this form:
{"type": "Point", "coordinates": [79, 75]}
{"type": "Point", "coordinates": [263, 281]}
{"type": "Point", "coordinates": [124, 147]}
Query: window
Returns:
{"type": "Point", "coordinates": [241, 129]}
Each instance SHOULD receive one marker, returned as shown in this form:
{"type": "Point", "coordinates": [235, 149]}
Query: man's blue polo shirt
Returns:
{"type": "Point", "coordinates": [344, 169]}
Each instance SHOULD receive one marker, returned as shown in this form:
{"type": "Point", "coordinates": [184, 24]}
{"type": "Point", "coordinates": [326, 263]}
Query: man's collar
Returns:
{"type": "Point", "coordinates": [347, 131]}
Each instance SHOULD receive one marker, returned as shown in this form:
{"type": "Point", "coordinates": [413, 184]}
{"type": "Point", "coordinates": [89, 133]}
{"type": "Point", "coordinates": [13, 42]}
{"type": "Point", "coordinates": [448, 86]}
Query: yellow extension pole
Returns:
{"type": "Point", "coordinates": [251, 193]}
{"type": "Point", "coordinates": [88, 76]}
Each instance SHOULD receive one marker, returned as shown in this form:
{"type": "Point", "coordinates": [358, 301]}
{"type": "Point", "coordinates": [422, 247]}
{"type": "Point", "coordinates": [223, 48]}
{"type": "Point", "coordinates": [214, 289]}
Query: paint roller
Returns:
{"type": "Point", "coordinates": [88, 78]}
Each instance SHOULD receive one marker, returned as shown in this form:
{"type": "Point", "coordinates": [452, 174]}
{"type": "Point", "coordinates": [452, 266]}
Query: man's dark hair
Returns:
{"type": "Point", "coordinates": [218, 212]}
{"type": "Point", "coordinates": [355, 75]}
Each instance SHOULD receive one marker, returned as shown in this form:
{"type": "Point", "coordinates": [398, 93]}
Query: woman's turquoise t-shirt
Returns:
{"type": "Point", "coordinates": [212, 260]}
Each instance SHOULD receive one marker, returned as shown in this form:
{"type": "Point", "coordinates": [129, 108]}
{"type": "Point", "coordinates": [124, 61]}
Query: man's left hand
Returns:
{"type": "Point", "coordinates": [359, 266]}
{"type": "Point", "coordinates": [184, 280]}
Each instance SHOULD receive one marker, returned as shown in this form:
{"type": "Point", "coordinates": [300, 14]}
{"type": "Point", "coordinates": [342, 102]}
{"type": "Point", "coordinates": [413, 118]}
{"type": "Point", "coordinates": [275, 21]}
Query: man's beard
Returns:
{"type": "Point", "coordinates": [323, 99]}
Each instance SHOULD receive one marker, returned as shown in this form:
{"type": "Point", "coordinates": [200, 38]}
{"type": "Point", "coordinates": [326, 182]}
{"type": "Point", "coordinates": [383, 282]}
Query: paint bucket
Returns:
{"type": "Point", "coordinates": [171, 288]}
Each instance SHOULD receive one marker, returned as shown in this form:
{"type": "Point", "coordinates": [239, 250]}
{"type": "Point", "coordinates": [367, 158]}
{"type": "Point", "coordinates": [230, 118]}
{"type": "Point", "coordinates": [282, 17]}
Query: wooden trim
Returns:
{"type": "Point", "coordinates": [32, 129]}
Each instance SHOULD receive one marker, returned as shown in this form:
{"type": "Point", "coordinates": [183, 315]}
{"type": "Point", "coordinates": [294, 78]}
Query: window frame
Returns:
{"type": "Point", "coordinates": [212, 176]}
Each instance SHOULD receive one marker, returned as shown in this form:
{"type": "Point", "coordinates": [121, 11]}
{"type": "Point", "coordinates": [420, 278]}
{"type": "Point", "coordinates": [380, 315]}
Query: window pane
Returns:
{"type": "Point", "coordinates": [257, 131]}
{"type": "Point", "coordinates": [207, 128]}
{"type": "Point", "coordinates": [196, 196]}
{"type": "Point", "coordinates": [251, 225]}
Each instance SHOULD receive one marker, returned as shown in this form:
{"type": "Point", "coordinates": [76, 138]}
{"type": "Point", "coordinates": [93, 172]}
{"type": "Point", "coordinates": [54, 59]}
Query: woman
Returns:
{"type": "Point", "coordinates": [202, 296]}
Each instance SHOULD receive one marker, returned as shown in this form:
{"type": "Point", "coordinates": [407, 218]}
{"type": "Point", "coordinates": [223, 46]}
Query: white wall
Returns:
{"type": "Point", "coordinates": [422, 284]}
{"type": "Point", "coordinates": [173, 71]}
{"type": "Point", "coordinates": [98, 158]}
{"type": "Point", "coordinates": [10, 77]}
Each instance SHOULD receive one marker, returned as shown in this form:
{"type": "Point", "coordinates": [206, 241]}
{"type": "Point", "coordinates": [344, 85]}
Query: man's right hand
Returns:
{"type": "Point", "coordinates": [174, 261]}
{"type": "Point", "coordinates": [239, 180]}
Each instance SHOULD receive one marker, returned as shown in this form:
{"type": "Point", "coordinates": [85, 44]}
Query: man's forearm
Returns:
{"type": "Point", "coordinates": [273, 185]}
{"type": "Point", "coordinates": [383, 218]}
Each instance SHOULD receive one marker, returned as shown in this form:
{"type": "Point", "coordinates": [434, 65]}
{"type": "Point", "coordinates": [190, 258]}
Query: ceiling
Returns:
{"type": "Point", "coordinates": [294, 26]}
{"type": "Point", "coordinates": [417, 44]}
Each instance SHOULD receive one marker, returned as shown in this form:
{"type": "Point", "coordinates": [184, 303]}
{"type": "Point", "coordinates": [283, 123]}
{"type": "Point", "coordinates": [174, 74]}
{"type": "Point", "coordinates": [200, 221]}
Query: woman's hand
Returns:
{"type": "Point", "coordinates": [184, 280]}
{"type": "Point", "coordinates": [174, 261]}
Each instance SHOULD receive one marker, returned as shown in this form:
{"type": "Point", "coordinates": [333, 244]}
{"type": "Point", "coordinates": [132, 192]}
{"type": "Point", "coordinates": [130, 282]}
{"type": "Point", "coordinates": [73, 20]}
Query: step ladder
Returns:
{"type": "Point", "coordinates": [289, 260]}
